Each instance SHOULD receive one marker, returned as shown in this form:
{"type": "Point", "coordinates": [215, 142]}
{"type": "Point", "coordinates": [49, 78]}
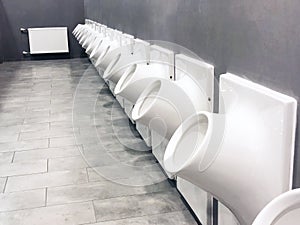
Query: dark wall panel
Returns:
{"type": "Point", "coordinates": [257, 39]}
{"type": "Point", "coordinates": [1, 32]}
{"type": "Point", "coordinates": [38, 13]}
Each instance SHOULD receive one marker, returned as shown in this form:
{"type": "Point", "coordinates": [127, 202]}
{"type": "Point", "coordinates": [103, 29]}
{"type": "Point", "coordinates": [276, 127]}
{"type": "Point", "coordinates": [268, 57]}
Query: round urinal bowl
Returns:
{"type": "Point", "coordinates": [186, 152]}
{"type": "Point", "coordinates": [283, 210]}
{"type": "Point", "coordinates": [163, 106]}
{"type": "Point", "coordinates": [137, 77]}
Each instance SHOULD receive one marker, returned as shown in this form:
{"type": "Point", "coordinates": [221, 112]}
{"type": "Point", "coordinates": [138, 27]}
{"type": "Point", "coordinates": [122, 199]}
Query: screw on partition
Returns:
{"type": "Point", "coordinates": [209, 99]}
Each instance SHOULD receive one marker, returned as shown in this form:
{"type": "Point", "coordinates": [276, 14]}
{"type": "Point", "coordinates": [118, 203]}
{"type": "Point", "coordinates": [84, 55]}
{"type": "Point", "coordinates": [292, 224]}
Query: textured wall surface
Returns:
{"type": "Point", "coordinates": [38, 13]}
{"type": "Point", "coordinates": [1, 32]}
{"type": "Point", "coordinates": [256, 39]}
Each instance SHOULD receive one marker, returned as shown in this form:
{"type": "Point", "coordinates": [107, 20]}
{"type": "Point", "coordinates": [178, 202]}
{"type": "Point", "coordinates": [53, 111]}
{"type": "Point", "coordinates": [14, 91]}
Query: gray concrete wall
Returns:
{"type": "Point", "coordinates": [1, 32]}
{"type": "Point", "coordinates": [38, 13]}
{"type": "Point", "coordinates": [257, 39]}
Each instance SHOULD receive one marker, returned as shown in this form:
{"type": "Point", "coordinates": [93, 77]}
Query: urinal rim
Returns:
{"type": "Point", "coordinates": [124, 81]}
{"type": "Point", "coordinates": [278, 204]}
{"type": "Point", "coordinates": [178, 135]}
{"type": "Point", "coordinates": [136, 115]}
{"type": "Point", "coordinates": [143, 65]}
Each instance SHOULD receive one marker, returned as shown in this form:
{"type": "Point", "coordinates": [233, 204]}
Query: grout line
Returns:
{"type": "Point", "coordinates": [94, 210]}
{"type": "Point", "coordinates": [87, 174]}
{"type": "Point", "coordinates": [19, 135]}
{"type": "Point", "coordinates": [47, 165]}
{"type": "Point", "coordinates": [13, 157]}
{"type": "Point", "coordinates": [46, 196]}
{"type": "Point", "coordinates": [48, 206]}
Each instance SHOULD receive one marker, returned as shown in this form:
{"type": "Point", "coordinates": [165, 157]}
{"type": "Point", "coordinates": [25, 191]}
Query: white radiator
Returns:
{"type": "Point", "coordinates": [48, 40]}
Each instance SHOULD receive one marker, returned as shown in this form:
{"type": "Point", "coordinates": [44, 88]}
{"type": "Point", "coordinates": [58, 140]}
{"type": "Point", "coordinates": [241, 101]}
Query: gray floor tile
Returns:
{"type": "Point", "coordinates": [35, 127]}
{"type": "Point", "coordinates": [136, 206]}
{"type": "Point", "coordinates": [24, 145]}
{"type": "Point", "coordinates": [41, 119]}
{"type": "Point", "coordinates": [22, 168]}
{"type": "Point", "coordinates": [22, 200]}
{"type": "Point", "coordinates": [46, 134]}
{"type": "Point", "coordinates": [60, 142]}
{"type": "Point", "coordinates": [43, 180]}
{"type": "Point", "coordinates": [61, 124]}
{"type": "Point", "coordinates": [98, 190]}
{"type": "Point", "coordinates": [10, 130]}
{"type": "Point", "coordinates": [6, 157]}
{"type": "Point", "coordinates": [47, 153]}
{"type": "Point", "coordinates": [71, 214]}
{"type": "Point", "coordinates": [11, 122]}
{"type": "Point", "coordinates": [180, 217]}
{"type": "Point", "coordinates": [66, 163]}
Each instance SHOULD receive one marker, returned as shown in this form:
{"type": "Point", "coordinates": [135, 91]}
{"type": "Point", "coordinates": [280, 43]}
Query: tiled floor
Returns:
{"type": "Point", "coordinates": [68, 154]}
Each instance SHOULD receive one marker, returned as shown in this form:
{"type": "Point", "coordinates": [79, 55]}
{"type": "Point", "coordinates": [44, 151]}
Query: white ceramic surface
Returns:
{"type": "Point", "coordinates": [95, 43]}
{"type": "Point", "coordinates": [139, 75]}
{"type": "Point", "coordinates": [165, 104]}
{"type": "Point", "coordinates": [283, 210]}
{"type": "Point", "coordinates": [242, 156]}
{"type": "Point", "coordinates": [115, 52]}
{"type": "Point", "coordinates": [106, 46]}
{"type": "Point", "coordinates": [124, 59]}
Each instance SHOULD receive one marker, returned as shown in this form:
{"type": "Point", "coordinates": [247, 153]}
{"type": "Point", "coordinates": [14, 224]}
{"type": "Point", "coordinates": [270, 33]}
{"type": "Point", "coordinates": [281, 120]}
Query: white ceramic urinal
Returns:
{"type": "Point", "coordinates": [283, 210]}
{"type": "Point", "coordinates": [85, 35]}
{"type": "Point", "coordinates": [127, 57]}
{"type": "Point", "coordinates": [77, 29]}
{"type": "Point", "coordinates": [107, 45]}
{"type": "Point", "coordinates": [125, 41]}
{"type": "Point", "coordinates": [81, 32]}
{"type": "Point", "coordinates": [97, 41]}
{"type": "Point", "coordinates": [138, 76]}
{"type": "Point", "coordinates": [242, 156]}
{"type": "Point", "coordinates": [165, 104]}
{"type": "Point", "coordinates": [90, 39]}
